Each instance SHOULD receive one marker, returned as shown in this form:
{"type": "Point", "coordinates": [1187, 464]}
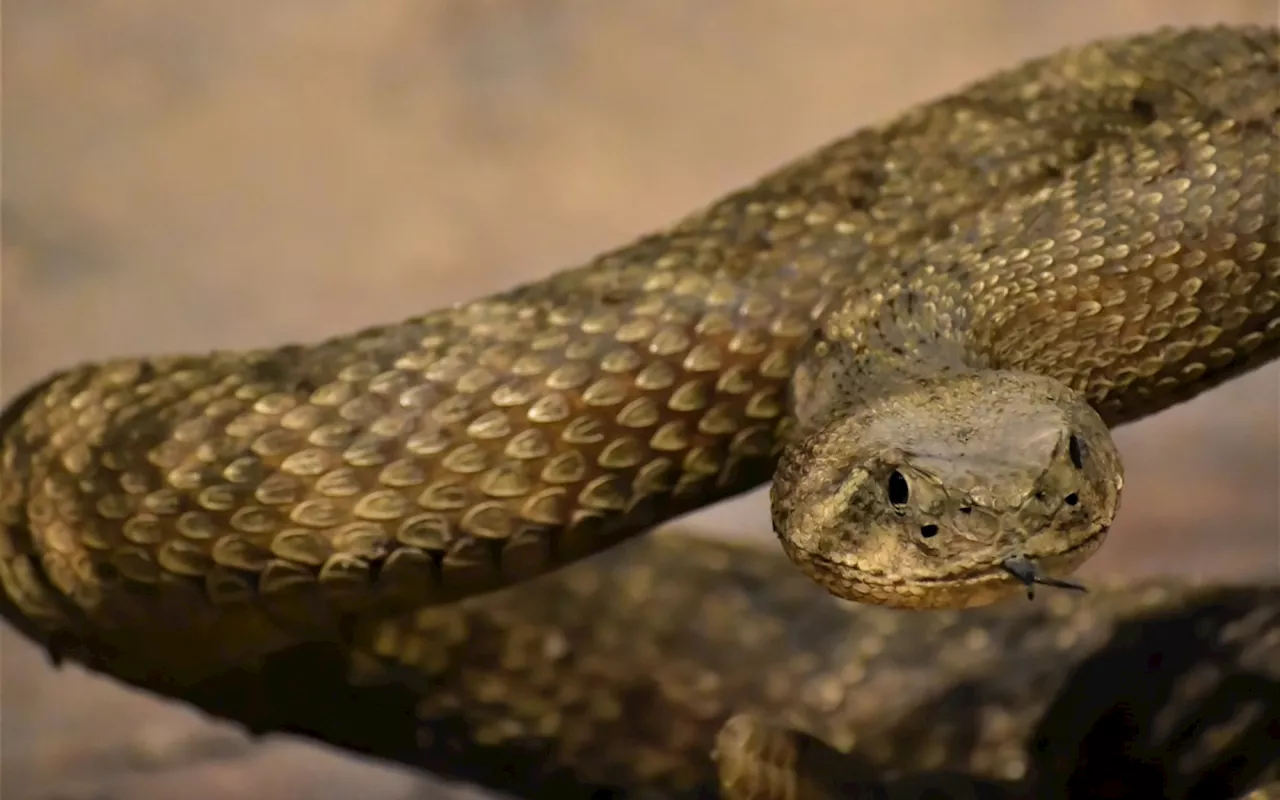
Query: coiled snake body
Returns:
{"type": "Point", "coordinates": [926, 327]}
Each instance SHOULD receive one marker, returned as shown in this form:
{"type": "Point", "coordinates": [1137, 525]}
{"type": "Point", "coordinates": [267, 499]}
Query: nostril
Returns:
{"type": "Point", "coordinates": [1071, 499]}
{"type": "Point", "coordinates": [928, 531]}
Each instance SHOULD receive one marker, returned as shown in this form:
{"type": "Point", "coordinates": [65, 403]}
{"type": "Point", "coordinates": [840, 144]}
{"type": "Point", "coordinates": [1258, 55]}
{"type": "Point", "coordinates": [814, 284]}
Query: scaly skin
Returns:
{"type": "Point", "coordinates": [1160, 689]}
{"type": "Point", "coordinates": [1131, 264]}
{"type": "Point", "coordinates": [993, 278]}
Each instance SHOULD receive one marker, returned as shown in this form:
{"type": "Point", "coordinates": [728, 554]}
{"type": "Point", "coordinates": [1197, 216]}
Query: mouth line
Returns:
{"type": "Point", "coordinates": [985, 573]}
{"type": "Point", "coordinates": [999, 571]}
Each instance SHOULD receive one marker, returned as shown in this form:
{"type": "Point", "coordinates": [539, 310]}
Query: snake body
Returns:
{"type": "Point", "coordinates": [1157, 689]}
{"type": "Point", "coordinates": [965, 297]}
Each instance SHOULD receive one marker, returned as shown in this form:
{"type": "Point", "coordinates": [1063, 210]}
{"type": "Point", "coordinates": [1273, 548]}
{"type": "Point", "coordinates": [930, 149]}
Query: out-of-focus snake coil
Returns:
{"type": "Point", "coordinates": [307, 538]}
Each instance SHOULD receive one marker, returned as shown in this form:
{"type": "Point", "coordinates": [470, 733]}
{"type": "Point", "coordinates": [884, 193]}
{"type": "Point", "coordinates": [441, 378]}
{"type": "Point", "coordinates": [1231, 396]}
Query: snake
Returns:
{"type": "Point", "coordinates": [921, 334]}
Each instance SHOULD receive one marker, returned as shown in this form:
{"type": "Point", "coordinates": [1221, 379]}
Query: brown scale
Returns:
{"type": "Point", "coordinates": [1065, 246]}
{"type": "Point", "coordinates": [707, 663]}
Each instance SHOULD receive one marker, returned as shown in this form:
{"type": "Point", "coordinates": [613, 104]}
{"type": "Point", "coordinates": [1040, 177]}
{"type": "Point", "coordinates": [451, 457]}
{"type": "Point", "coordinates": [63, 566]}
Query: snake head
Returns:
{"type": "Point", "coordinates": [952, 491]}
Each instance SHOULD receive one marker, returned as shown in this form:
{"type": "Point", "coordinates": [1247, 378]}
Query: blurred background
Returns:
{"type": "Point", "coordinates": [211, 174]}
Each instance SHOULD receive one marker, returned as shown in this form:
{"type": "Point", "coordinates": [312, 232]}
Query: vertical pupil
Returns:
{"type": "Point", "coordinates": [899, 492]}
{"type": "Point", "coordinates": [1073, 450]}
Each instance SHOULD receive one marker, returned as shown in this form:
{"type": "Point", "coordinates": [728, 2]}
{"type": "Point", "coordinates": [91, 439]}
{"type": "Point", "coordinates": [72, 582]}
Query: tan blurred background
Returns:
{"type": "Point", "coordinates": [210, 173]}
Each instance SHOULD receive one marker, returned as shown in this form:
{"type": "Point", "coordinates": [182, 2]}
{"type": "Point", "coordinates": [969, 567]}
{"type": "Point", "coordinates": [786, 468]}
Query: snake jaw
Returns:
{"type": "Point", "coordinates": [970, 585]}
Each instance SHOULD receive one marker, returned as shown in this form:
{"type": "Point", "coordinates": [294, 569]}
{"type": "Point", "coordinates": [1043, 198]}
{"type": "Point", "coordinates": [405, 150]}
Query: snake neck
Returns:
{"type": "Point", "coordinates": [865, 354]}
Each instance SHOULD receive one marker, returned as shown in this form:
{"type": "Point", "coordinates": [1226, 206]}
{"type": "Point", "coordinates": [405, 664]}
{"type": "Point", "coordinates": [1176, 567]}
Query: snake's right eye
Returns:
{"type": "Point", "coordinates": [899, 491]}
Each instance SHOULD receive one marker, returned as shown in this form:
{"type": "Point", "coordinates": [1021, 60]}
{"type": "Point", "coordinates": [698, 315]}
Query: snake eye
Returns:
{"type": "Point", "coordinates": [899, 491]}
{"type": "Point", "coordinates": [1074, 451]}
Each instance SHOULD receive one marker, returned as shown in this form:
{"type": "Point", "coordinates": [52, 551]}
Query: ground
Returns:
{"type": "Point", "coordinates": [202, 174]}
